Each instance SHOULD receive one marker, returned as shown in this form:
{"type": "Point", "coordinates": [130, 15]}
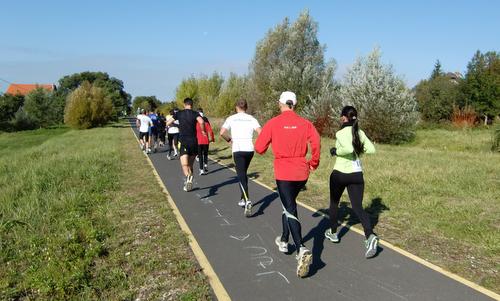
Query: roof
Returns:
{"type": "Point", "coordinates": [24, 89]}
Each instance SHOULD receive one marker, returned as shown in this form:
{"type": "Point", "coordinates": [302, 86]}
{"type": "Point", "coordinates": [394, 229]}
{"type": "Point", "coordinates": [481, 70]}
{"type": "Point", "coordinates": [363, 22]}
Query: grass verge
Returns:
{"type": "Point", "coordinates": [437, 198]}
{"type": "Point", "coordinates": [82, 217]}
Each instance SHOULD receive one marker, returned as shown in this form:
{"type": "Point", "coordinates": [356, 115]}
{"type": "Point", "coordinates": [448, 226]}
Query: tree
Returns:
{"type": "Point", "coordinates": [148, 103]}
{"type": "Point", "coordinates": [289, 57]}
{"type": "Point", "coordinates": [234, 89]}
{"type": "Point", "coordinates": [88, 106]}
{"type": "Point", "coordinates": [9, 105]}
{"type": "Point", "coordinates": [208, 92]}
{"type": "Point", "coordinates": [40, 105]}
{"type": "Point", "coordinates": [436, 97]}
{"type": "Point", "coordinates": [111, 86]}
{"type": "Point", "coordinates": [481, 85]}
{"type": "Point", "coordinates": [386, 107]}
{"type": "Point", "coordinates": [187, 89]}
{"type": "Point", "coordinates": [437, 70]}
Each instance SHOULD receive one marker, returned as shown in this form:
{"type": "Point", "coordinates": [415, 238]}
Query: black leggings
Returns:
{"type": "Point", "coordinates": [203, 155]}
{"type": "Point", "coordinates": [172, 142]}
{"type": "Point", "coordinates": [242, 161]}
{"type": "Point", "coordinates": [288, 191]}
{"type": "Point", "coordinates": [355, 187]}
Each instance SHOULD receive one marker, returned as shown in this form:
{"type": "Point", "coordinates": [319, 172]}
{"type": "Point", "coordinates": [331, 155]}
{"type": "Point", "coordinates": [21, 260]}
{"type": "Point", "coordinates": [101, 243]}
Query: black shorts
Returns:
{"type": "Point", "coordinates": [189, 148]}
{"type": "Point", "coordinates": [144, 136]}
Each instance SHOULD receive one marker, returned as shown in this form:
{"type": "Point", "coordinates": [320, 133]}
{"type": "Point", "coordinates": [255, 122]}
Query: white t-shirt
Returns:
{"type": "Point", "coordinates": [241, 126]}
{"type": "Point", "coordinates": [145, 122]}
{"type": "Point", "coordinates": [174, 127]}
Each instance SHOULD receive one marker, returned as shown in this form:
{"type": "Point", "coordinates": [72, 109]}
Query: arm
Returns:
{"type": "Point", "coordinates": [224, 134]}
{"type": "Point", "coordinates": [369, 148]}
{"type": "Point", "coordinates": [258, 130]}
{"type": "Point", "coordinates": [170, 121]}
{"type": "Point", "coordinates": [263, 140]}
{"type": "Point", "coordinates": [202, 125]}
{"type": "Point", "coordinates": [315, 142]}
{"type": "Point", "coordinates": [137, 122]}
{"type": "Point", "coordinates": [210, 132]}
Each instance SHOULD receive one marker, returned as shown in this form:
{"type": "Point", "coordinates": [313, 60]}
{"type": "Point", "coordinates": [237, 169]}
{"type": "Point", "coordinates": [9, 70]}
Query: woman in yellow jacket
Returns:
{"type": "Point", "coordinates": [351, 143]}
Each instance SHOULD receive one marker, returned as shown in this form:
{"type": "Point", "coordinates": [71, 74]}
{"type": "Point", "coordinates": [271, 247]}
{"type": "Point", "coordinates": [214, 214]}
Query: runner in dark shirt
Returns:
{"type": "Point", "coordinates": [187, 137]}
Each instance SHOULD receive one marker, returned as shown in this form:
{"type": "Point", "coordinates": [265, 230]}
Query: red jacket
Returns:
{"type": "Point", "coordinates": [204, 139]}
{"type": "Point", "coordinates": [289, 135]}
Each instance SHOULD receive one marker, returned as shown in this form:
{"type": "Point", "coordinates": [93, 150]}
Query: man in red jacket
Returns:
{"type": "Point", "coordinates": [203, 142]}
{"type": "Point", "coordinates": [290, 136]}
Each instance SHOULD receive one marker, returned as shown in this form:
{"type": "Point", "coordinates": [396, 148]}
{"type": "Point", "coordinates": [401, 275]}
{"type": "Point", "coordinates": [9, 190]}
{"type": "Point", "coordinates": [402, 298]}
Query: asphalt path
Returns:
{"type": "Point", "coordinates": [245, 258]}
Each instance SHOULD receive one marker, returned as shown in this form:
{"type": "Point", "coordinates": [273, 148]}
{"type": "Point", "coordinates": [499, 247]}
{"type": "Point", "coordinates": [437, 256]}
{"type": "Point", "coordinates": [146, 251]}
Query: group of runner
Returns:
{"type": "Point", "coordinates": [290, 137]}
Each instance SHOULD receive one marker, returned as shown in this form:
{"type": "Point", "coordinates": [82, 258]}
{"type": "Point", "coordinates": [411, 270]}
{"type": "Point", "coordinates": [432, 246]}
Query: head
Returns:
{"type": "Point", "coordinates": [241, 105]}
{"type": "Point", "coordinates": [200, 110]}
{"type": "Point", "coordinates": [349, 115]}
{"type": "Point", "coordinates": [188, 103]}
{"type": "Point", "coordinates": [287, 101]}
{"type": "Point", "coordinates": [143, 111]}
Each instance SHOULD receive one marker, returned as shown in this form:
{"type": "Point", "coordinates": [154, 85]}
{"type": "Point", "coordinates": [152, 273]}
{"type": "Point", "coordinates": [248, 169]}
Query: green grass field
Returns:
{"type": "Point", "coordinates": [82, 217]}
{"type": "Point", "coordinates": [438, 197]}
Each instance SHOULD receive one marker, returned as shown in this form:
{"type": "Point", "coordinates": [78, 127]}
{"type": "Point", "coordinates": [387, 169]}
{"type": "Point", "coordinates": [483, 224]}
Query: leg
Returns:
{"type": "Point", "coordinates": [205, 155]}
{"type": "Point", "coordinates": [336, 190]}
{"type": "Point", "coordinates": [288, 191]}
{"type": "Point", "coordinates": [355, 191]}
{"type": "Point", "coordinates": [185, 159]}
{"type": "Point", "coordinates": [170, 143]}
{"type": "Point", "coordinates": [239, 162]}
{"type": "Point", "coordinates": [200, 156]}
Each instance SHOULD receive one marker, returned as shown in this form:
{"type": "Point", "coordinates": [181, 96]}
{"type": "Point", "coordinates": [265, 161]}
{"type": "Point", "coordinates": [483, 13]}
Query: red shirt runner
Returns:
{"type": "Point", "coordinates": [210, 134]}
{"type": "Point", "coordinates": [289, 135]}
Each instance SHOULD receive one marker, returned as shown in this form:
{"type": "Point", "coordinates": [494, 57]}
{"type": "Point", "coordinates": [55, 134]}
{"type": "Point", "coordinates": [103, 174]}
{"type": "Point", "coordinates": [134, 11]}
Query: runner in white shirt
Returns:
{"type": "Point", "coordinates": [241, 126]}
{"type": "Point", "coordinates": [143, 122]}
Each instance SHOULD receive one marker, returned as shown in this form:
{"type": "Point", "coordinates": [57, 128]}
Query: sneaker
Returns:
{"type": "Point", "coordinates": [168, 157]}
{"type": "Point", "coordinates": [304, 260]}
{"type": "Point", "coordinates": [189, 183]}
{"type": "Point", "coordinates": [241, 203]}
{"type": "Point", "coordinates": [371, 245]}
{"type": "Point", "coordinates": [282, 245]}
{"type": "Point", "coordinates": [184, 186]}
{"type": "Point", "coordinates": [149, 151]}
{"type": "Point", "coordinates": [197, 159]}
{"type": "Point", "coordinates": [201, 172]}
{"type": "Point", "coordinates": [205, 168]}
{"type": "Point", "coordinates": [333, 237]}
{"type": "Point", "coordinates": [248, 209]}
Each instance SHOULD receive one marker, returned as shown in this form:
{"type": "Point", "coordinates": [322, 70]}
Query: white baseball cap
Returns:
{"type": "Point", "coordinates": [287, 95]}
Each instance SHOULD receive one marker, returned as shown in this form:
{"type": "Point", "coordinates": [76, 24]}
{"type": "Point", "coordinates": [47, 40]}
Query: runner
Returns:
{"type": "Point", "coordinates": [187, 136]}
{"type": "Point", "coordinates": [143, 122]}
{"type": "Point", "coordinates": [172, 135]}
{"type": "Point", "coordinates": [290, 135]}
{"type": "Point", "coordinates": [203, 143]}
{"type": "Point", "coordinates": [241, 125]}
{"type": "Point", "coordinates": [351, 143]}
{"type": "Point", "coordinates": [153, 131]}
{"type": "Point", "coordinates": [162, 129]}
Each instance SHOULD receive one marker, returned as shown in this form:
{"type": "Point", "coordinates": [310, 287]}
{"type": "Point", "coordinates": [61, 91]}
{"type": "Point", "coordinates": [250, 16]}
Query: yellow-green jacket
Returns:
{"type": "Point", "coordinates": [347, 161]}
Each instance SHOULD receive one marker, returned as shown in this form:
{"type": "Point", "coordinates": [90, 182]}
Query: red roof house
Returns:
{"type": "Point", "coordinates": [23, 89]}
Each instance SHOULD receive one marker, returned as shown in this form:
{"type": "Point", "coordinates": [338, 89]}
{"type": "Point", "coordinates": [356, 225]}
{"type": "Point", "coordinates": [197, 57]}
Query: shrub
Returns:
{"type": "Point", "coordinates": [463, 117]}
{"type": "Point", "coordinates": [22, 121]}
{"type": "Point", "coordinates": [42, 108]}
{"type": "Point", "coordinates": [495, 145]}
{"type": "Point", "coordinates": [387, 108]}
{"type": "Point", "coordinates": [9, 105]}
{"type": "Point", "coordinates": [88, 106]}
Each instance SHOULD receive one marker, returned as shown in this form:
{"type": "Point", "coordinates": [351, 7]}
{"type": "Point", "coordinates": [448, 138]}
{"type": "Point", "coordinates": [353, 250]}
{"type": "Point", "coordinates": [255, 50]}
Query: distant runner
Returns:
{"type": "Point", "coordinates": [153, 131]}
{"type": "Point", "coordinates": [162, 129]}
{"type": "Point", "coordinates": [350, 144]}
{"type": "Point", "coordinates": [241, 126]}
{"type": "Point", "coordinates": [203, 143]}
{"type": "Point", "coordinates": [143, 122]}
{"type": "Point", "coordinates": [172, 136]}
{"type": "Point", "coordinates": [187, 137]}
{"type": "Point", "coordinates": [290, 135]}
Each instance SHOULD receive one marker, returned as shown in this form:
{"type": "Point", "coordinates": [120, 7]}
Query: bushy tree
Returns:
{"type": "Point", "coordinates": [209, 89]}
{"type": "Point", "coordinates": [111, 86]}
{"type": "Point", "coordinates": [187, 88]}
{"type": "Point", "coordinates": [436, 97]}
{"type": "Point", "coordinates": [145, 102]}
{"type": "Point", "coordinates": [9, 105]}
{"type": "Point", "coordinates": [481, 85]}
{"type": "Point", "coordinates": [289, 57]}
{"type": "Point", "coordinates": [234, 88]}
{"type": "Point", "coordinates": [22, 121]}
{"type": "Point", "coordinates": [88, 106]}
{"type": "Point", "coordinates": [387, 108]}
{"type": "Point", "coordinates": [437, 72]}
{"type": "Point", "coordinates": [40, 105]}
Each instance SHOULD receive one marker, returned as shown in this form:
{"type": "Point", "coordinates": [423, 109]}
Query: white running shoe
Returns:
{"type": "Point", "coordinates": [241, 203]}
{"type": "Point", "coordinates": [168, 157]}
{"type": "Point", "coordinates": [197, 159]}
{"type": "Point", "coordinates": [282, 246]}
{"type": "Point", "coordinates": [248, 209]}
{"type": "Point", "coordinates": [371, 245]}
{"type": "Point", "coordinates": [201, 172]}
{"type": "Point", "coordinates": [304, 260]}
{"type": "Point", "coordinates": [205, 168]}
{"type": "Point", "coordinates": [333, 237]}
{"type": "Point", "coordinates": [189, 183]}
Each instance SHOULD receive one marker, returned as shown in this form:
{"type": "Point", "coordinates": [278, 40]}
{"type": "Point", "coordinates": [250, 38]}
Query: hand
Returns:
{"type": "Point", "coordinates": [333, 151]}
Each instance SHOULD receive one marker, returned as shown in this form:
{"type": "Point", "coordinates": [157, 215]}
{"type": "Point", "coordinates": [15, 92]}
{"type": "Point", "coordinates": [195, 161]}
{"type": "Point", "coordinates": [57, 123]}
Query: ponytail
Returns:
{"type": "Point", "coordinates": [352, 117]}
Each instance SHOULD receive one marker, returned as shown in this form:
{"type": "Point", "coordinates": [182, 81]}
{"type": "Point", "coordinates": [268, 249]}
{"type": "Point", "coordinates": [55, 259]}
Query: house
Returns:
{"type": "Point", "coordinates": [23, 89]}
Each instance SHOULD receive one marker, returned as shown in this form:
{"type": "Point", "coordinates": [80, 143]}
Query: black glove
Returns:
{"type": "Point", "coordinates": [333, 151]}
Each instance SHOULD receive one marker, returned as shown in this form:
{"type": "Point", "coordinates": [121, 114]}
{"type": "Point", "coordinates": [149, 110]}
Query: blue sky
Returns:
{"type": "Point", "coordinates": [152, 45]}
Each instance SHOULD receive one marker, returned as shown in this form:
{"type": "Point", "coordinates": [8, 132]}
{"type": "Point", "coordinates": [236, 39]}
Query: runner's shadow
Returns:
{"type": "Point", "coordinates": [230, 165]}
{"type": "Point", "coordinates": [212, 190]}
{"type": "Point", "coordinates": [253, 175]}
{"type": "Point", "coordinates": [264, 203]}
{"type": "Point", "coordinates": [318, 237]}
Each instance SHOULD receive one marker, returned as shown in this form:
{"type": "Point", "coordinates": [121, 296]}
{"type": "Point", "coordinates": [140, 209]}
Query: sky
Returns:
{"type": "Point", "coordinates": [152, 45]}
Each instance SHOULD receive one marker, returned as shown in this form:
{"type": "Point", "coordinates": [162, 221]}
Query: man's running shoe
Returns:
{"type": "Point", "coordinates": [248, 209]}
{"type": "Point", "coordinates": [304, 260]}
{"type": "Point", "coordinates": [371, 245]}
{"type": "Point", "coordinates": [149, 151]}
{"type": "Point", "coordinates": [189, 183]}
{"type": "Point", "coordinates": [201, 172]}
{"type": "Point", "coordinates": [168, 157]}
{"type": "Point", "coordinates": [282, 245]}
{"type": "Point", "coordinates": [333, 237]}
{"type": "Point", "coordinates": [205, 168]}
{"type": "Point", "coordinates": [184, 186]}
{"type": "Point", "coordinates": [241, 203]}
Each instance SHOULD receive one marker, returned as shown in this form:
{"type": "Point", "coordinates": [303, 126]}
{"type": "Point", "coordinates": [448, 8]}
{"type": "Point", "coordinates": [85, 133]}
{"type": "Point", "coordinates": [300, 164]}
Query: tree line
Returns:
{"type": "Point", "coordinates": [81, 100]}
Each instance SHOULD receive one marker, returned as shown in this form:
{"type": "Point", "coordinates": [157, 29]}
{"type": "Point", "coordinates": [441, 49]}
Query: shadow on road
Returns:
{"type": "Point", "coordinates": [212, 190]}
{"type": "Point", "coordinates": [264, 203]}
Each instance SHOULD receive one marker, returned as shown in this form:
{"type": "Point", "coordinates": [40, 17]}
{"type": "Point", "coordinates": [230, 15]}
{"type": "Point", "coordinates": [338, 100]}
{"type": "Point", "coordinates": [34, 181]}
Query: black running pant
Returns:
{"type": "Point", "coordinates": [288, 191]}
{"type": "Point", "coordinates": [355, 187]}
{"type": "Point", "coordinates": [202, 155]}
{"type": "Point", "coordinates": [172, 142]}
{"type": "Point", "coordinates": [242, 161]}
